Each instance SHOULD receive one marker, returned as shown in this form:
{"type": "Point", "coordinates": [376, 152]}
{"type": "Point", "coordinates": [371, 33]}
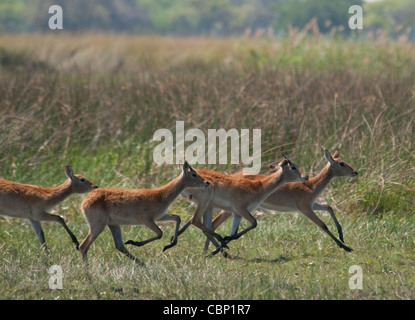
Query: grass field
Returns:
{"type": "Point", "coordinates": [95, 101]}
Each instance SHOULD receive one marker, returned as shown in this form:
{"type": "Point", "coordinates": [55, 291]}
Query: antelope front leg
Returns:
{"type": "Point", "coordinates": [196, 221]}
{"type": "Point", "coordinates": [242, 213]}
{"type": "Point", "coordinates": [44, 216]}
{"type": "Point", "coordinates": [153, 227]}
{"type": "Point", "coordinates": [309, 213]}
{"type": "Point", "coordinates": [236, 219]}
{"type": "Point", "coordinates": [207, 221]}
{"type": "Point", "coordinates": [220, 218]}
{"type": "Point", "coordinates": [185, 226]}
{"type": "Point", "coordinates": [317, 206]}
{"type": "Point", "coordinates": [176, 218]}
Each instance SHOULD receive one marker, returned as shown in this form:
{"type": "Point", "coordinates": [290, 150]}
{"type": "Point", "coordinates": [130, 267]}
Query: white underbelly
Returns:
{"type": "Point", "coordinates": [280, 208]}
{"type": "Point", "coordinates": [132, 219]}
{"type": "Point", "coordinates": [223, 204]}
{"type": "Point", "coordinates": [15, 213]}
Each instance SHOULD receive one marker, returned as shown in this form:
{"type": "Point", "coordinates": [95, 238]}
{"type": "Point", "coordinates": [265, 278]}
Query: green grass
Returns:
{"type": "Point", "coordinates": [284, 258]}
{"type": "Point", "coordinates": [83, 101]}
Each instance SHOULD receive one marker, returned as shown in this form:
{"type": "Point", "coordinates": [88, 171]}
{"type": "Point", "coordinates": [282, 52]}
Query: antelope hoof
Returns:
{"type": "Point", "coordinates": [224, 244]}
{"type": "Point", "coordinates": [219, 249]}
{"type": "Point", "coordinates": [347, 248]}
{"type": "Point", "coordinates": [216, 251]}
{"type": "Point", "coordinates": [168, 246]}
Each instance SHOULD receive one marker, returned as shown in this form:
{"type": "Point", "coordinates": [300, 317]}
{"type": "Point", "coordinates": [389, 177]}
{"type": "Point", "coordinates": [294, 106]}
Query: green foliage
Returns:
{"type": "Point", "coordinates": [78, 15]}
{"type": "Point", "coordinates": [198, 17]}
{"type": "Point", "coordinates": [186, 17]}
{"type": "Point", "coordinates": [389, 14]}
{"type": "Point", "coordinates": [329, 13]}
{"type": "Point", "coordinates": [13, 15]}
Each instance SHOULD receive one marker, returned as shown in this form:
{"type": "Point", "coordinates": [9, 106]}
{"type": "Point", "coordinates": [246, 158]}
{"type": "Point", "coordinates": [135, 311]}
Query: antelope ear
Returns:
{"type": "Point", "coordinates": [69, 173]}
{"type": "Point", "coordinates": [328, 156]}
{"type": "Point", "coordinates": [186, 166]}
{"type": "Point", "coordinates": [336, 154]}
{"type": "Point", "coordinates": [189, 167]}
{"type": "Point", "coordinates": [283, 163]}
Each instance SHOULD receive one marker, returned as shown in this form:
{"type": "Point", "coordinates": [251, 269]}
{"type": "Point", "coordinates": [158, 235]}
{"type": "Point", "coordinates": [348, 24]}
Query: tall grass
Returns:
{"type": "Point", "coordinates": [63, 99]}
{"type": "Point", "coordinates": [95, 101]}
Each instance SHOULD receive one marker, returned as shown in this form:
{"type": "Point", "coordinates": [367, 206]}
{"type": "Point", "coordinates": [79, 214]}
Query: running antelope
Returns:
{"type": "Point", "coordinates": [235, 194]}
{"type": "Point", "coordinates": [115, 207]}
{"type": "Point", "coordinates": [301, 196]}
{"type": "Point", "coordinates": [33, 202]}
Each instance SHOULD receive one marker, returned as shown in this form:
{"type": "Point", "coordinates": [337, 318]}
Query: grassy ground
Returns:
{"type": "Point", "coordinates": [285, 258]}
{"type": "Point", "coordinates": [94, 102]}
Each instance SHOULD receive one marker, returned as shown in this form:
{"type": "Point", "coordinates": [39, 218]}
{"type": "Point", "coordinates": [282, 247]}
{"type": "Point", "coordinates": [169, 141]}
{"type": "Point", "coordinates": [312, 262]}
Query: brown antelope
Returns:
{"type": "Point", "coordinates": [115, 207]}
{"type": "Point", "coordinates": [33, 202]}
{"type": "Point", "coordinates": [301, 196]}
{"type": "Point", "coordinates": [236, 194]}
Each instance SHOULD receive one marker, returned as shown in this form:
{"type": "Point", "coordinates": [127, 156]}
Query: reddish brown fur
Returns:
{"type": "Point", "coordinates": [302, 196]}
{"type": "Point", "coordinates": [235, 194]}
{"type": "Point", "coordinates": [32, 202]}
{"type": "Point", "coordinates": [114, 207]}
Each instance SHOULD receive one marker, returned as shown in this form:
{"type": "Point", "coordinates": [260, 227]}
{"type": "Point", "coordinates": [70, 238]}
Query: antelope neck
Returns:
{"type": "Point", "coordinates": [59, 193]}
{"type": "Point", "coordinates": [320, 181]}
{"type": "Point", "coordinates": [172, 189]}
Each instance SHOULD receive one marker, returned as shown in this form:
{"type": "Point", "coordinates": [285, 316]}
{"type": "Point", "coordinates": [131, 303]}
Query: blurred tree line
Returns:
{"type": "Point", "coordinates": [201, 17]}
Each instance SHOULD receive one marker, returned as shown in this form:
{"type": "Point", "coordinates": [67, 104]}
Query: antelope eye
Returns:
{"type": "Point", "coordinates": [194, 175]}
{"type": "Point", "coordinates": [341, 164]}
{"type": "Point", "coordinates": [82, 180]}
{"type": "Point", "coordinates": [293, 168]}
